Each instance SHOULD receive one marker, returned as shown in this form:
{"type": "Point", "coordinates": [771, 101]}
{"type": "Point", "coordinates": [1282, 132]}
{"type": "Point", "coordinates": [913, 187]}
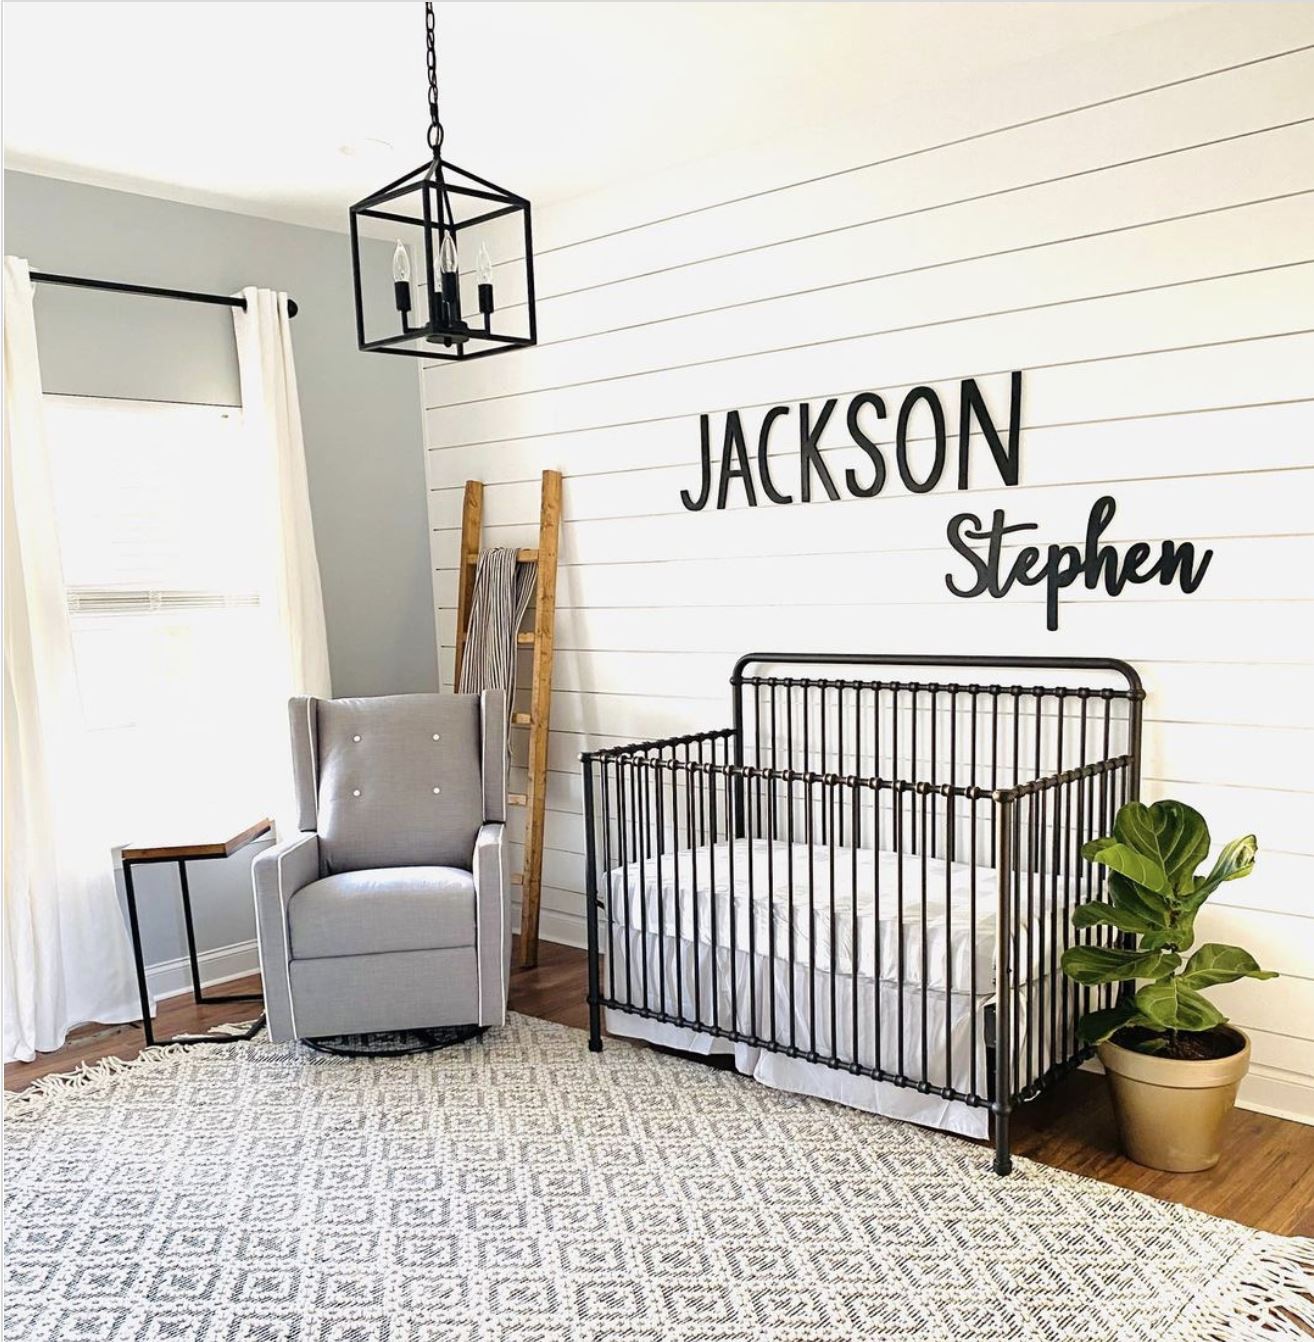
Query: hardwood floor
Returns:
{"type": "Point", "coordinates": [1266, 1177]}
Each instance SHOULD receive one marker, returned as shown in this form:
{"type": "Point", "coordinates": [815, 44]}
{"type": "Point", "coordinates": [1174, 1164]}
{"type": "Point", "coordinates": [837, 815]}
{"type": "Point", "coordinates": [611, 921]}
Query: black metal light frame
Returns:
{"type": "Point", "coordinates": [428, 191]}
{"type": "Point", "coordinates": [445, 202]}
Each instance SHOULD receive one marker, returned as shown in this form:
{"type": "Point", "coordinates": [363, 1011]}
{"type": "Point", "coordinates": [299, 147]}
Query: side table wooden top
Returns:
{"type": "Point", "coordinates": [213, 847]}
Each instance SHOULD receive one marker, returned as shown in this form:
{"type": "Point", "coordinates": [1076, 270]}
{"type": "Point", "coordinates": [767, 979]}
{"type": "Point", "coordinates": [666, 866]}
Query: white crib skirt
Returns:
{"type": "Point", "coordinates": [755, 999]}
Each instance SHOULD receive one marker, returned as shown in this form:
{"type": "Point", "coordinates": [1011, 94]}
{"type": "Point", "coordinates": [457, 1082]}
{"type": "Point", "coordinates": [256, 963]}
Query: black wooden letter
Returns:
{"type": "Point", "coordinates": [685, 497]}
{"type": "Point", "coordinates": [734, 440]}
{"type": "Point", "coordinates": [809, 457]}
{"type": "Point", "coordinates": [763, 467]}
{"type": "Point", "coordinates": [861, 440]}
{"type": "Point", "coordinates": [901, 440]}
{"type": "Point", "coordinates": [971, 407]}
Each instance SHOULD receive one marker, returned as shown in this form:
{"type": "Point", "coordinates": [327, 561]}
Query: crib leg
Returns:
{"type": "Point", "coordinates": [1003, 1153]}
{"type": "Point", "coordinates": [594, 908]}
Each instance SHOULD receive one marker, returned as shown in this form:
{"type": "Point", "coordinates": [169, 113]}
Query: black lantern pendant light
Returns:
{"type": "Point", "coordinates": [449, 223]}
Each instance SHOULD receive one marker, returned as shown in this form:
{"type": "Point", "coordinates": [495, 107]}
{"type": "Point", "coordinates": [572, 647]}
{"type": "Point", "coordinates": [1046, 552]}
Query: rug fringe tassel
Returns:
{"type": "Point", "coordinates": [88, 1077]}
{"type": "Point", "coordinates": [1269, 1298]}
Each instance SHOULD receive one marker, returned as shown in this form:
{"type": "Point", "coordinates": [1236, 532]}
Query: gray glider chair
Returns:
{"type": "Point", "coordinates": [390, 910]}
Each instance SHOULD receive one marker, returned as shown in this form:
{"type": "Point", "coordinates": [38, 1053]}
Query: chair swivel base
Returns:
{"type": "Point", "coordinates": [395, 1043]}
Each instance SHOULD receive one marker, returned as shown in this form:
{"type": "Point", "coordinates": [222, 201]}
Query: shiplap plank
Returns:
{"type": "Point", "coordinates": [1234, 756]}
{"type": "Point", "coordinates": [1168, 124]}
{"type": "Point", "coordinates": [1235, 175]}
{"type": "Point", "coordinates": [1213, 41]}
{"type": "Point", "coordinates": [1219, 505]}
{"type": "Point", "coordinates": [1278, 696]}
{"type": "Point", "coordinates": [764, 364]}
{"type": "Point", "coordinates": [1258, 631]}
{"type": "Point", "coordinates": [1176, 253]}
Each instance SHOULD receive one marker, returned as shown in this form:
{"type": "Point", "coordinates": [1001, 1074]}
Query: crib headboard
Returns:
{"type": "Point", "coordinates": [988, 722]}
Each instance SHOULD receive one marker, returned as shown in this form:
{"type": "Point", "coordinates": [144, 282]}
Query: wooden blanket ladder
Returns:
{"type": "Point", "coordinates": [533, 799]}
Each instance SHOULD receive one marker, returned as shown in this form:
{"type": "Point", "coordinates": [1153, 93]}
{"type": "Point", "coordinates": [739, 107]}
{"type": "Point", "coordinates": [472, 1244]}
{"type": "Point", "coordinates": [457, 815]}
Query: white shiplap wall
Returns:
{"type": "Point", "coordinates": [1134, 228]}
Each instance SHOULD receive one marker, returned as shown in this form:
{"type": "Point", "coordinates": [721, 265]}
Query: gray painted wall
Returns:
{"type": "Point", "coordinates": [360, 416]}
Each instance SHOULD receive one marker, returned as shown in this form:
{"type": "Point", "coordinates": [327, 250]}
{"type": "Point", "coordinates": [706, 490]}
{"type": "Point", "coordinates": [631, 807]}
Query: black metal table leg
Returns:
{"type": "Point", "coordinates": [139, 961]}
{"type": "Point", "coordinates": [191, 931]}
{"type": "Point", "coordinates": [135, 927]}
{"type": "Point", "coordinates": [197, 994]}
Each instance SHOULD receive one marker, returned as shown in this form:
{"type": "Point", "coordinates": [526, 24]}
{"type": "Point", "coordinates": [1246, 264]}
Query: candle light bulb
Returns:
{"type": "Point", "coordinates": [401, 265]}
{"type": "Point", "coordinates": [401, 281]}
{"type": "Point", "coordinates": [447, 258]}
{"type": "Point", "coordinates": [484, 265]}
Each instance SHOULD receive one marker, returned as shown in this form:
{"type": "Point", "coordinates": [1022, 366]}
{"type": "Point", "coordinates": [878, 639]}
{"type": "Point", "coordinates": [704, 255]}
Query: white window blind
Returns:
{"type": "Point", "coordinates": [166, 544]}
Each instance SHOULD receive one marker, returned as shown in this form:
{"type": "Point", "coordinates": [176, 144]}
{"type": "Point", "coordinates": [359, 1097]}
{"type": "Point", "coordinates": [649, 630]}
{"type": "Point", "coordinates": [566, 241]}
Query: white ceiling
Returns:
{"type": "Point", "coordinates": [291, 110]}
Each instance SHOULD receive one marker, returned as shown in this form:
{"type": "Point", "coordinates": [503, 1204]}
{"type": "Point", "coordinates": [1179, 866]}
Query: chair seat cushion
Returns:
{"type": "Point", "coordinates": [381, 910]}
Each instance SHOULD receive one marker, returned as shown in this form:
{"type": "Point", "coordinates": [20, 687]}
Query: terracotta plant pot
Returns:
{"type": "Point", "coordinates": [1171, 1111]}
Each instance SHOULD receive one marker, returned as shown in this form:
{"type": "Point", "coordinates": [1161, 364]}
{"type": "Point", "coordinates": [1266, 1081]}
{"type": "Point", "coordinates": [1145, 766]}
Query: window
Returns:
{"type": "Point", "coordinates": [167, 548]}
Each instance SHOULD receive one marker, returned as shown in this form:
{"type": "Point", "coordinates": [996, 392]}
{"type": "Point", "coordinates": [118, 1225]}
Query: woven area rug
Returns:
{"type": "Point", "coordinates": [521, 1189]}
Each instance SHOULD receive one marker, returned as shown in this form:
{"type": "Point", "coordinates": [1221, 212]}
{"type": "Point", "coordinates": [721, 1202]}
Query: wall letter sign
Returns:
{"type": "Point", "coordinates": [995, 562]}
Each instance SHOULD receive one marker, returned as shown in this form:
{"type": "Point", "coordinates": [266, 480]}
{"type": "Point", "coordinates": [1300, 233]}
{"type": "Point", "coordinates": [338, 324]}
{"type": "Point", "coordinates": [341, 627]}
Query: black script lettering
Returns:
{"type": "Point", "coordinates": [1101, 560]}
{"type": "Point", "coordinates": [1064, 564]}
{"type": "Point", "coordinates": [1182, 556]}
{"type": "Point", "coordinates": [986, 566]}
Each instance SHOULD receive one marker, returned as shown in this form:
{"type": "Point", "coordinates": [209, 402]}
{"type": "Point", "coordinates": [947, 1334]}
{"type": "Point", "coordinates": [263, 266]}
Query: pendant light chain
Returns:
{"type": "Point", "coordinates": [445, 215]}
{"type": "Point", "coordinates": [435, 124]}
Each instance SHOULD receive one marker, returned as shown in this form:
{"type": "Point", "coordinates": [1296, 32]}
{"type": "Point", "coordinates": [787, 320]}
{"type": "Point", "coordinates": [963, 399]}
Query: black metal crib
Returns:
{"type": "Point", "coordinates": [874, 875]}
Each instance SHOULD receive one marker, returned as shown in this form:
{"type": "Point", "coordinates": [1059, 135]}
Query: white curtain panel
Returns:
{"type": "Point", "coordinates": [66, 952]}
{"type": "Point", "coordinates": [271, 412]}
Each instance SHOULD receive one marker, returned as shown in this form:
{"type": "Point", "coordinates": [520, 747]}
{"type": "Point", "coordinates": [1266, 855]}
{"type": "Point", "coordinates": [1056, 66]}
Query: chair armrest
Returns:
{"type": "Point", "coordinates": [492, 885]}
{"type": "Point", "coordinates": [279, 872]}
{"type": "Point", "coordinates": [276, 875]}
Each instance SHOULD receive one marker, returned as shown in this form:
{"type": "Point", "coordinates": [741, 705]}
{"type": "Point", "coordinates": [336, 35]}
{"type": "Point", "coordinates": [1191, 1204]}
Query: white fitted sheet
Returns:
{"type": "Point", "coordinates": [895, 906]}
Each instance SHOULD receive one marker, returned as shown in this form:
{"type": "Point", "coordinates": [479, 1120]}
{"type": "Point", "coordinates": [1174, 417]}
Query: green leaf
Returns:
{"type": "Point", "coordinates": [1178, 934]}
{"type": "Point", "coordinates": [1169, 833]}
{"type": "Point", "coordinates": [1236, 860]}
{"type": "Point", "coordinates": [1129, 863]}
{"type": "Point", "coordinates": [1097, 912]}
{"type": "Point", "coordinates": [1097, 1026]}
{"type": "Point", "coordinates": [1107, 964]}
{"type": "Point", "coordinates": [1146, 904]}
{"type": "Point", "coordinates": [1213, 964]}
{"type": "Point", "coordinates": [1173, 1005]}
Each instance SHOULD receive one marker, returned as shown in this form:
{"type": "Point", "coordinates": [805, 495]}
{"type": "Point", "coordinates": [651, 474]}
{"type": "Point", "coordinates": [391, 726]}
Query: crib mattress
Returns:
{"type": "Point", "coordinates": [919, 919]}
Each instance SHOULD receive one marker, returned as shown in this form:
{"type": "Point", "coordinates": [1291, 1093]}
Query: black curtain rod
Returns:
{"type": "Point", "coordinates": [184, 295]}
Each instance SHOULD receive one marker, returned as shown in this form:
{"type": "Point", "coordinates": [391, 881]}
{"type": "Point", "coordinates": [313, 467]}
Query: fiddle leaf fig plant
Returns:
{"type": "Point", "coordinates": [1153, 896]}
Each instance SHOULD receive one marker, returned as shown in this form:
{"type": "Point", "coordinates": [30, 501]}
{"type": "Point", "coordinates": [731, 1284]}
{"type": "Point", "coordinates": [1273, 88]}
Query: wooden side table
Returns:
{"type": "Point", "coordinates": [182, 854]}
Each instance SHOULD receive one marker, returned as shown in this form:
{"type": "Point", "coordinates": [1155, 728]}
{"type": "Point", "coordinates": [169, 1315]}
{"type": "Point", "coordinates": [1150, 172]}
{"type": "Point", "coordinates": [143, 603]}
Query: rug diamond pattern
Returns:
{"type": "Point", "coordinates": [521, 1189]}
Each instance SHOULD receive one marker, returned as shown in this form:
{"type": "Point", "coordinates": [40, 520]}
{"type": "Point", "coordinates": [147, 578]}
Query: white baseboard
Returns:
{"type": "Point", "coordinates": [171, 978]}
{"type": "Point", "coordinates": [1270, 1090]}
{"type": "Point", "coordinates": [566, 929]}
